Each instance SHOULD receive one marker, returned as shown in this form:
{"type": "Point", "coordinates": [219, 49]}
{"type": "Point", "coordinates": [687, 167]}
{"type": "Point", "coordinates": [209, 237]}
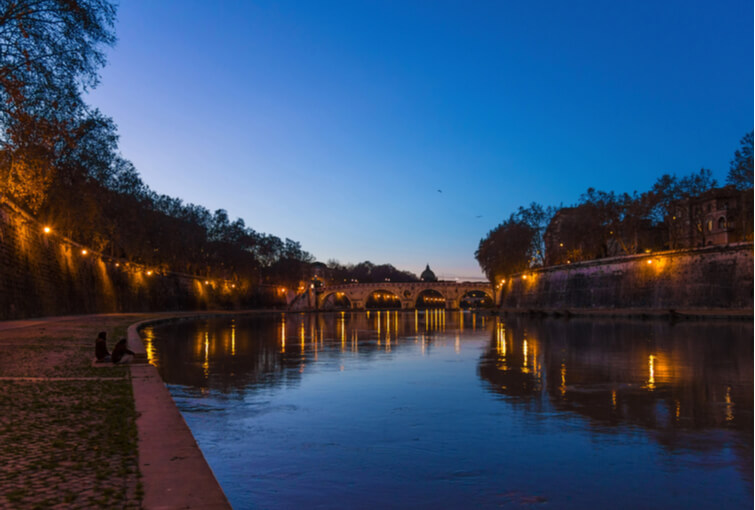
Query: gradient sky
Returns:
{"type": "Point", "coordinates": [336, 123]}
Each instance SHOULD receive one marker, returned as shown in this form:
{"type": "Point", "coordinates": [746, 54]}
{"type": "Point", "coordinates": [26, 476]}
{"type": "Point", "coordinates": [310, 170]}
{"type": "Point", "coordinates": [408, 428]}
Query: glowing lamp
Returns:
{"type": "Point", "coordinates": [524, 277]}
{"type": "Point", "coordinates": [47, 230]}
{"type": "Point", "coordinates": [149, 273]}
{"type": "Point", "coordinates": [650, 261]}
{"type": "Point", "coordinates": [84, 252]}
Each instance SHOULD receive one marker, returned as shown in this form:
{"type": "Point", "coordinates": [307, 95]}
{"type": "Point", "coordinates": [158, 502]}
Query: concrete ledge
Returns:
{"type": "Point", "coordinates": [175, 474]}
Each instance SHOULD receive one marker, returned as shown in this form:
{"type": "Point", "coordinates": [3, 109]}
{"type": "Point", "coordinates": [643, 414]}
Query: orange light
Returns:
{"type": "Point", "coordinates": [117, 264]}
{"type": "Point", "coordinates": [524, 277]}
{"type": "Point", "coordinates": [206, 282]}
{"type": "Point", "coordinates": [84, 252]}
{"type": "Point", "coordinates": [149, 273]}
{"type": "Point", "coordinates": [47, 230]}
{"type": "Point", "coordinates": [650, 261]}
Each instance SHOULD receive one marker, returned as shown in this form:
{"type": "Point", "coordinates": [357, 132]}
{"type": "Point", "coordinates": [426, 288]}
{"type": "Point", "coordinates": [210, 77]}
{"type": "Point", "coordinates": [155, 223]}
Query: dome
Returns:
{"type": "Point", "coordinates": [428, 275]}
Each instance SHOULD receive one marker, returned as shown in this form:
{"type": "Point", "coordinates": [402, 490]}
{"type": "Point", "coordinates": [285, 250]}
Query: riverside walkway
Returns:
{"type": "Point", "coordinates": [74, 435]}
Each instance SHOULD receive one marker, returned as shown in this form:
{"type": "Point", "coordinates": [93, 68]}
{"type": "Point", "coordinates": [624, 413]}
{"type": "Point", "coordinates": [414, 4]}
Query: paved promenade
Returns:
{"type": "Point", "coordinates": [74, 435]}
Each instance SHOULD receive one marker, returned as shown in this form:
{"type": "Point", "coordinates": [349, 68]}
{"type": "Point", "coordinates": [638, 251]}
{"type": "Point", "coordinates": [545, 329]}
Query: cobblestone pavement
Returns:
{"type": "Point", "coordinates": [67, 429]}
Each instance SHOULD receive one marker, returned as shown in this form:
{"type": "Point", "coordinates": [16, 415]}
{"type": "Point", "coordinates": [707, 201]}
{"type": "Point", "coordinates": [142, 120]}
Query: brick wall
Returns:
{"type": "Point", "coordinates": [46, 274]}
{"type": "Point", "coordinates": [716, 277]}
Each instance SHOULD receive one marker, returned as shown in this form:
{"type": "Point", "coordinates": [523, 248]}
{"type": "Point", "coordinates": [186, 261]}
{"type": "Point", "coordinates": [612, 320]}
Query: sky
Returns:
{"type": "Point", "coordinates": [402, 132]}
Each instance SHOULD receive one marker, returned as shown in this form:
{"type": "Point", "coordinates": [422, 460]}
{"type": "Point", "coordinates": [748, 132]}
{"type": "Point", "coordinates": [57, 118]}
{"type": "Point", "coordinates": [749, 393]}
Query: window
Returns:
{"type": "Point", "coordinates": [722, 223]}
{"type": "Point", "coordinates": [710, 225]}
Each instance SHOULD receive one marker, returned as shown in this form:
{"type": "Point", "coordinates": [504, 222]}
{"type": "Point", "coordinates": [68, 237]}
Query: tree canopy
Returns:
{"type": "Point", "coordinates": [506, 249]}
{"type": "Point", "coordinates": [740, 169]}
{"type": "Point", "coordinates": [50, 52]}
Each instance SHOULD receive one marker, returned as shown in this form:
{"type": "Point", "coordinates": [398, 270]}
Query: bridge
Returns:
{"type": "Point", "coordinates": [408, 294]}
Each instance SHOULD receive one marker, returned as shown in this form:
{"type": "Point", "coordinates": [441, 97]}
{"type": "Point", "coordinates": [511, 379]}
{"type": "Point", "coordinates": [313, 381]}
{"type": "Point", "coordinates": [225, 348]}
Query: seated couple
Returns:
{"type": "Point", "coordinates": [120, 354]}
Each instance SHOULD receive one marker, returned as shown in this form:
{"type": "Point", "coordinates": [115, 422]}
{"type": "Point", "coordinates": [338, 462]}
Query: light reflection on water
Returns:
{"type": "Point", "coordinates": [457, 410]}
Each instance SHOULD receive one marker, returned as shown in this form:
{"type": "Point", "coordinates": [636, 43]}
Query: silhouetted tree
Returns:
{"type": "Point", "coordinates": [537, 218]}
{"type": "Point", "coordinates": [506, 249]}
{"type": "Point", "coordinates": [741, 167]}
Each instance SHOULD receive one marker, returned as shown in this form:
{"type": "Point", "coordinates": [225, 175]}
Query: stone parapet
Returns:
{"type": "Point", "coordinates": [710, 278]}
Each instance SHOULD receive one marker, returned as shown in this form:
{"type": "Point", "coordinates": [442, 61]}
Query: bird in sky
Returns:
{"type": "Point", "coordinates": [440, 191]}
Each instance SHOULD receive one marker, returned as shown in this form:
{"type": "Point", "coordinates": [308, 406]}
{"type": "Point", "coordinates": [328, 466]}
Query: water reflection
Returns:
{"type": "Point", "coordinates": [223, 354]}
{"type": "Point", "coordinates": [466, 407]}
{"type": "Point", "coordinates": [672, 380]}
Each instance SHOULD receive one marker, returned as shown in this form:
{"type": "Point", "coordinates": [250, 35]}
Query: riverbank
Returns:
{"type": "Point", "coordinates": [713, 279]}
{"type": "Point", "coordinates": [68, 435]}
{"type": "Point", "coordinates": [74, 435]}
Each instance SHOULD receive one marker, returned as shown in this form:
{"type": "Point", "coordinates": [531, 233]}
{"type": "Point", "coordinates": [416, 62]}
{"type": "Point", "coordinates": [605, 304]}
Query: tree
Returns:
{"type": "Point", "coordinates": [537, 218]}
{"type": "Point", "coordinates": [506, 249]}
{"type": "Point", "coordinates": [50, 51]}
{"type": "Point", "coordinates": [669, 189]}
{"type": "Point", "coordinates": [575, 234]}
{"type": "Point", "coordinates": [740, 169]}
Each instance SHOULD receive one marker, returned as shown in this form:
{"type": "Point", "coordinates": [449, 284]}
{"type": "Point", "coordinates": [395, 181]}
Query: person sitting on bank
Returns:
{"type": "Point", "coordinates": [100, 348]}
{"type": "Point", "coordinates": [121, 353]}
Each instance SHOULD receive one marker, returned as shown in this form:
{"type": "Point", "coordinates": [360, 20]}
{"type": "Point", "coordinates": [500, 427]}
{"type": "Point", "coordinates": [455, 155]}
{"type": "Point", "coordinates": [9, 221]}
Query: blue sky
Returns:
{"type": "Point", "coordinates": [336, 123]}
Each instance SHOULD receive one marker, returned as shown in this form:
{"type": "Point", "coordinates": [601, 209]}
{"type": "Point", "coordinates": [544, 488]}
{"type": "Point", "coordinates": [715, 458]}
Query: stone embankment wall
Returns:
{"type": "Point", "coordinates": [46, 274]}
{"type": "Point", "coordinates": [715, 278]}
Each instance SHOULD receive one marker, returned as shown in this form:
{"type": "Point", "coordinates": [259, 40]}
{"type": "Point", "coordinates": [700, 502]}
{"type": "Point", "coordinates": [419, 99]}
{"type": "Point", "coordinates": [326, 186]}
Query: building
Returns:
{"type": "Point", "coordinates": [428, 275]}
{"type": "Point", "coordinates": [718, 216]}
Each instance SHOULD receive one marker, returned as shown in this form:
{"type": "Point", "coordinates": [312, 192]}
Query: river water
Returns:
{"type": "Point", "coordinates": [436, 409]}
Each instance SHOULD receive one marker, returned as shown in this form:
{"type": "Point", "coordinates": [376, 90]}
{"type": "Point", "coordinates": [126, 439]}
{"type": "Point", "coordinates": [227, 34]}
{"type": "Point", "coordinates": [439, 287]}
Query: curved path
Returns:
{"type": "Point", "coordinates": [175, 473]}
{"type": "Point", "coordinates": [56, 350]}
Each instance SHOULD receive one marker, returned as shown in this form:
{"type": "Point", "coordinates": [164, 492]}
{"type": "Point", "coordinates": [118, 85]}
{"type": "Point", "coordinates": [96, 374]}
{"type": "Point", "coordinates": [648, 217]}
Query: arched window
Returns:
{"type": "Point", "coordinates": [710, 225]}
{"type": "Point", "coordinates": [722, 223]}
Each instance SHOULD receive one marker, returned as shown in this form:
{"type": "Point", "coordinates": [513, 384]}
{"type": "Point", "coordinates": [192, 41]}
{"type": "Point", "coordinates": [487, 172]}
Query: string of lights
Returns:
{"type": "Point", "coordinates": [121, 264]}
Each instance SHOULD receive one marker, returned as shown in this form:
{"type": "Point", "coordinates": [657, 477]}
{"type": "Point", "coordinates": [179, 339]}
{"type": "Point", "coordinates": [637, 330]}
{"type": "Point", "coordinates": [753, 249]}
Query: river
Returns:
{"type": "Point", "coordinates": [441, 409]}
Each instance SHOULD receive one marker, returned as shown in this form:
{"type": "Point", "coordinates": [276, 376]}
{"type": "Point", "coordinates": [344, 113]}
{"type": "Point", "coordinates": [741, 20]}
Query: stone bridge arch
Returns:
{"type": "Point", "coordinates": [335, 300]}
{"type": "Point", "coordinates": [425, 298]}
{"type": "Point", "coordinates": [358, 293]}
